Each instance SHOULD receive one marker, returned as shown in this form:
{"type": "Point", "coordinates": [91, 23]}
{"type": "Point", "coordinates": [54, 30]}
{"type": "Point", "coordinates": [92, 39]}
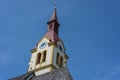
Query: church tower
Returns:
{"type": "Point", "coordinates": [49, 53]}
{"type": "Point", "coordinates": [48, 59]}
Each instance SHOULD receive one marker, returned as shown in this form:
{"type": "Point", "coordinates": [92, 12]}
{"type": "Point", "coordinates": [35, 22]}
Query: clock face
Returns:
{"type": "Point", "coordinates": [43, 45]}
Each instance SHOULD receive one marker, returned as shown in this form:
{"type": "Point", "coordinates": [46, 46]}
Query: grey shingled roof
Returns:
{"type": "Point", "coordinates": [58, 74]}
{"type": "Point", "coordinates": [22, 77]}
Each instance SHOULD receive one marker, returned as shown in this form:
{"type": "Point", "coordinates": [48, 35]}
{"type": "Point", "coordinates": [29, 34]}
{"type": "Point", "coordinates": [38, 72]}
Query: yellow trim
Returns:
{"type": "Point", "coordinates": [55, 43]}
{"type": "Point", "coordinates": [52, 43]}
{"type": "Point", "coordinates": [52, 55]}
{"type": "Point", "coordinates": [33, 50]}
{"type": "Point", "coordinates": [41, 40]}
{"type": "Point", "coordinates": [44, 67]}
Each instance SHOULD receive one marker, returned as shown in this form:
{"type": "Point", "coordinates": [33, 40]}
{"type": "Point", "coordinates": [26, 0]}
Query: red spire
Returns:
{"type": "Point", "coordinates": [54, 15]}
{"type": "Point", "coordinates": [53, 28]}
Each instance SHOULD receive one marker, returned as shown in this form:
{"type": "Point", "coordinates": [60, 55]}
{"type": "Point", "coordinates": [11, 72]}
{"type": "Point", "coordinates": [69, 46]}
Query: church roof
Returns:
{"type": "Point", "coordinates": [58, 74]}
{"type": "Point", "coordinates": [23, 77]}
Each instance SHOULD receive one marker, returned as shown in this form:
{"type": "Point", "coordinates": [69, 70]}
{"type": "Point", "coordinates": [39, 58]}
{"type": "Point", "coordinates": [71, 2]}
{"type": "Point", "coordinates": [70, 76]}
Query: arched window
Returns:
{"type": "Point", "coordinates": [38, 58]}
{"type": "Point", "coordinates": [44, 56]}
{"type": "Point", "coordinates": [61, 61]}
{"type": "Point", "coordinates": [57, 59]}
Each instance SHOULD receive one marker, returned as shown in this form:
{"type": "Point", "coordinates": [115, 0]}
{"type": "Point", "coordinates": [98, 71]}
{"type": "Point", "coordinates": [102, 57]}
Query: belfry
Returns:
{"type": "Point", "coordinates": [49, 53]}
{"type": "Point", "coordinates": [48, 58]}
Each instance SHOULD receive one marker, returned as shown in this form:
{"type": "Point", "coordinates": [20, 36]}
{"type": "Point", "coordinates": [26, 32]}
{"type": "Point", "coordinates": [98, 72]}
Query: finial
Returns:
{"type": "Point", "coordinates": [55, 4]}
{"type": "Point", "coordinates": [54, 15]}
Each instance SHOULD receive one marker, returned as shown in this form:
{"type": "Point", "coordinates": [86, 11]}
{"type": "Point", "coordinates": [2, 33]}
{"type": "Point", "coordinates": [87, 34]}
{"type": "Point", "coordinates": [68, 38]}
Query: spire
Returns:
{"type": "Point", "coordinates": [54, 15]}
{"type": "Point", "coordinates": [53, 27]}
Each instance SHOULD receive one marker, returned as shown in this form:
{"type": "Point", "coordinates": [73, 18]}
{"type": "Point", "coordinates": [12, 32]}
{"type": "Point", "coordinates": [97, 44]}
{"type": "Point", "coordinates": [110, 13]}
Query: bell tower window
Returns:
{"type": "Point", "coordinates": [38, 58]}
{"type": "Point", "coordinates": [44, 56]}
{"type": "Point", "coordinates": [57, 59]}
{"type": "Point", "coordinates": [61, 61]}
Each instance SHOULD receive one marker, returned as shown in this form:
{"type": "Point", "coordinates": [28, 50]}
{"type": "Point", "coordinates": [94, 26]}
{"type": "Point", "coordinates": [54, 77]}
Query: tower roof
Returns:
{"type": "Point", "coordinates": [54, 15]}
{"type": "Point", "coordinates": [52, 36]}
{"type": "Point", "coordinates": [53, 25]}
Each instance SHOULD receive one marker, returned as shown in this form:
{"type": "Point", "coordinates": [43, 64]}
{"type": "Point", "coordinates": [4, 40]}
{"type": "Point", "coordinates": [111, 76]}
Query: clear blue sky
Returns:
{"type": "Point", "coordinates": [90, 30]}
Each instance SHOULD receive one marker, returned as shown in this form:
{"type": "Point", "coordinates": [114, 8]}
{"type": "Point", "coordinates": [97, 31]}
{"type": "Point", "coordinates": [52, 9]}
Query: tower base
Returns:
{"type": "Point", "coordinates": [58, 74]}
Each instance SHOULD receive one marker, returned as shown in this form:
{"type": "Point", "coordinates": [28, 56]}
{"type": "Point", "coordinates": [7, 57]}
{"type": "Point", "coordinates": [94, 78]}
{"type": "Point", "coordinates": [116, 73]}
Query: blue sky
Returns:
{"type": "Point", "coordinates": [90, 30]}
